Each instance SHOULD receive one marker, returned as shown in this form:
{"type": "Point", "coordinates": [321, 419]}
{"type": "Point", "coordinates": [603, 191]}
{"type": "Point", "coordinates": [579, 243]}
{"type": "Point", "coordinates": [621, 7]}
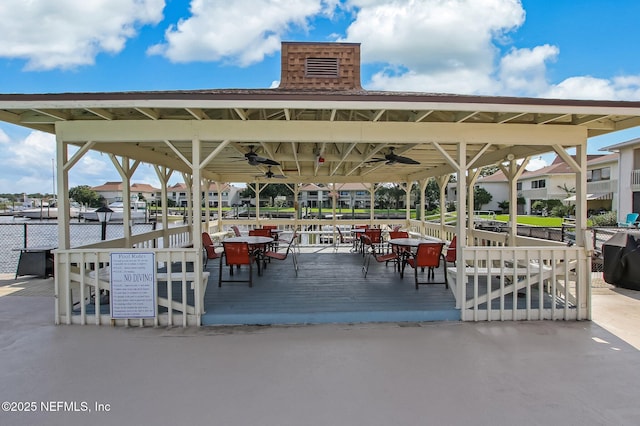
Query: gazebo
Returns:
{"type": "Point", "coordinates": [320, 126]}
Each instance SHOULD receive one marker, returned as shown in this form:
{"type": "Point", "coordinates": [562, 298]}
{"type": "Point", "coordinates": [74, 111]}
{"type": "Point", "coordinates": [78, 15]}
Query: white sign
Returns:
{"type": "Point", "coordinates": [133, 285]}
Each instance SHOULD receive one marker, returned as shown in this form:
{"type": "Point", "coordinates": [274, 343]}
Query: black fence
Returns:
{"type": "Point", "coordinates": [14, 236]}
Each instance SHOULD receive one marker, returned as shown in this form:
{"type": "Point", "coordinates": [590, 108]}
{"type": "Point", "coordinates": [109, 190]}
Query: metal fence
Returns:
{"type": "Point", "coordinates": [14, 236]}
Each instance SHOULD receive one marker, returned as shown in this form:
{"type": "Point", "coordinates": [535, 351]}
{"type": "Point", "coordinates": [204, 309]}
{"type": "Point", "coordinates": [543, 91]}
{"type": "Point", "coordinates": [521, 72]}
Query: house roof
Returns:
{"type": "Point", "coordinates": [603, 159]}
{"type": "Point", "coordinates": [353, 131]}
{"type": "Point", "coordinates": [117, 186]}
{"type": "Point", "coordinates": [182, 187]}
{"type": "Point", "coordinates": [557, 167]}
{"type": "Point", "coordinates": [626, 144]}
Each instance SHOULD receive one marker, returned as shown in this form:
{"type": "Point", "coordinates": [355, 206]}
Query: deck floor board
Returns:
{"type": "Point", "coordinates": [330, 287]}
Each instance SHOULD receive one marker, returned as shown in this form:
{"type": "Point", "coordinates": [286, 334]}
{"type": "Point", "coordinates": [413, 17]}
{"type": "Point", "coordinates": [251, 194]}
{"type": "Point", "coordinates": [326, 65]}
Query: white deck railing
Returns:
{"type": "Point", "coordinates": [522, 283]}
{"type": "Point", "coordinates": [537, 279]}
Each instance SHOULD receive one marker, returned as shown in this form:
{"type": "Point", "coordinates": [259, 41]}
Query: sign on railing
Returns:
{"type": "Point", "coordinates": [133, 284]}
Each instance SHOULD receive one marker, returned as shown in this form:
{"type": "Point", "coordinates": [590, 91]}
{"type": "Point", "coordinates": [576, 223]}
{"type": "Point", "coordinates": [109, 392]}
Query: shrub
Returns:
{"type": "Point", "coordinates": [605, 219]}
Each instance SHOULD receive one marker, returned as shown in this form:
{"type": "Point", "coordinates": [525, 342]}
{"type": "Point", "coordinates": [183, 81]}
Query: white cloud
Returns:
{"type": "Point", "coordinates": [454, 47]}
{"type": "Point", "coordinates": [435, 42]}
{"type": "Point", "coordinates": [586, 87]}
{"type": "Point", "coordinates": [241, 32]}
{"type": "Point", "coordinates": [35, 151]}
{"type": "Point", "coordinates": [535, 164]}
{"type": "Point", "coordinates": [70, 33]}
{"type": "Point", "coordinates": [524, 71]}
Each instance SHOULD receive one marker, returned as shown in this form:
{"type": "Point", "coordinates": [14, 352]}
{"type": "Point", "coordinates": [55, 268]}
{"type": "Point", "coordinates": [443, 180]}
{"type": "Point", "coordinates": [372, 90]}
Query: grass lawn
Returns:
{"type": "Point", "coordinates": [534, 220]}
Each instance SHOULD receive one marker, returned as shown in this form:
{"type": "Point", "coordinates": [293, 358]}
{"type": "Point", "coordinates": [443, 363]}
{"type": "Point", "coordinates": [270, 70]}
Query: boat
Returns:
{"type": "Point", "coordinates": [138, 212]}
{"type": "Point", "coordinates": [47, 211]}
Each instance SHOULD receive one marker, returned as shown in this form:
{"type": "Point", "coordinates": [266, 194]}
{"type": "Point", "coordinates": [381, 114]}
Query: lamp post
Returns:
{"type": "Point", "coordinates": [104, 215]}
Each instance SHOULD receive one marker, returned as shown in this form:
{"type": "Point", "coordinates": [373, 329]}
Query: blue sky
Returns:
{"type": "Point", "coordinates": [583, 49]}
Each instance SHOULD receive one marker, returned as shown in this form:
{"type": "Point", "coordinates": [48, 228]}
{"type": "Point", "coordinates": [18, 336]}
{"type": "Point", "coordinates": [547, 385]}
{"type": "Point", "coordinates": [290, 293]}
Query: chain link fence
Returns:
{"type": "Point", "coordinates": [14, 236]}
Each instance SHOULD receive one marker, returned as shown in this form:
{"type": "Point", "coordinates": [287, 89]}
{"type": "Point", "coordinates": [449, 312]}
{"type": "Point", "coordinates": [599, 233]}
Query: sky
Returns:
{"type": "Point", "coordinates": [585, 49]}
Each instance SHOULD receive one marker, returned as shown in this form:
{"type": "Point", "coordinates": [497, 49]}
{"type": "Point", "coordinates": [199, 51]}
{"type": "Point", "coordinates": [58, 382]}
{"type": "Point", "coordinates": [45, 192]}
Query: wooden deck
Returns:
{"type": "Point", "coordinates": [330, 288]}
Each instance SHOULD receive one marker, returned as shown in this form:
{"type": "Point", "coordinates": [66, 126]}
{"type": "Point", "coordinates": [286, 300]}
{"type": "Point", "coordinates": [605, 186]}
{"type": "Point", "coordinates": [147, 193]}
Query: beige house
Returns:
{"type": "Point", "coordinates": [554, 182]}
{"type": "Point", "coordinates": [112, 191]}
{"type": "Point", "coordinates": [628, 183]}
{"type": "Point", "coordinates": [228, 194]}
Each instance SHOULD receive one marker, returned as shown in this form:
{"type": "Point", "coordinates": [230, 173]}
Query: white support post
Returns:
{"type": "Point", "coordinates": [472, 177]}
{"type": "Point", "coordinates": [423, 213]}
{"type": "Point", "coordinates": [188, 180]}
{"type": "Point", "coordinates": [584, 272]}
{"type": "Point", "coordinates": [442, 185]}
{"type": "Point", "coordinates": [164, 174]}
{"type": "Point", "coordinates": [372, 201]}
{"type": "Point", "coordinates": [460, 226]}
{"type": "Point", "coordinates": [513, 173]}
{"type": "Point", "coordinates": [64, 239]}
{"type": "Point", "coordinates": [196, 229]}
{"type": "Point", "coordinates": [407, 195]}
{"type": "Point", "coordinates": [219, 190]}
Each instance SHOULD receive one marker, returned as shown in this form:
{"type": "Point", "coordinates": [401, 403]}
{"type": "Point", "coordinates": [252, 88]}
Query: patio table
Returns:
{"type": "Point", "coordinates": [412, 244]}
{"type": "Point", "coordinates": [257, 243]}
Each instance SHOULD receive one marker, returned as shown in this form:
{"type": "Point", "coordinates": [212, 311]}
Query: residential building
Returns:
{"type": "Point", "coordinates": [353, 195]}
{"type": "Point", "coordinates": [628, 184]}
{"type": "Point", "coordinates": [112, 191]}
{"type": "Point", "coordinates": [230, 194]}
{"type": "Point", "coordinates": [554, 182]}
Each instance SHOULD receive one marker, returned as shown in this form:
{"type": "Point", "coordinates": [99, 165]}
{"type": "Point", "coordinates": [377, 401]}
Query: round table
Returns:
{"type": "Point", "coordinates": [251, 239]}
{"type": "Point", "coordinates": [255, 241]}
{"type": "Point", "coordinates": [412, 242]}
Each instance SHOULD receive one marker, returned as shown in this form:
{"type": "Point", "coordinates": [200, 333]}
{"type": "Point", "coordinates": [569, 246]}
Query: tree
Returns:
{"type": "Point", "coordinates": [489, 170]}
{"type": "Point", "coordinates": [504, 206]}
{"type": "Point", "coordinates": [270, 191]}
{"type": "Point", "coordinates": [84, 195]}
{"type": "Point", "coordinates": [432, 195]}
{"type": "Point", "coordinates": [480, 198]}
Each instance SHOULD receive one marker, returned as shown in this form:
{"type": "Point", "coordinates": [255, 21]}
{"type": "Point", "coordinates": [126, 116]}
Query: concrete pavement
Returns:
{"type": "Point", "coordinates": [455, 373]}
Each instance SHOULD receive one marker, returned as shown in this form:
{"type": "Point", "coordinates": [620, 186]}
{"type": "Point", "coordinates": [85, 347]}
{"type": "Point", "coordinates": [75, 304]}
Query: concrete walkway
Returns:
{"type": "Point", "coordinates": [498, 373]}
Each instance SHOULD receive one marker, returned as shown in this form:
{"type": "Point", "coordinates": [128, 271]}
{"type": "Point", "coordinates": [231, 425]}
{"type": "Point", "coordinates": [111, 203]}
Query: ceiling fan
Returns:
{"type": "Point", "coordinates": [269, 174]}
{"type": "Point", "coordinates": [392, 158]}
{"type": "Point", "coordinates": [255, 160]}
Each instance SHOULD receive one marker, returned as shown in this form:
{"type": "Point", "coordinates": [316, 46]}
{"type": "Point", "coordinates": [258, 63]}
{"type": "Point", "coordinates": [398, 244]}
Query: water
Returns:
{"type": "Point", "coordinates": [37, 233]}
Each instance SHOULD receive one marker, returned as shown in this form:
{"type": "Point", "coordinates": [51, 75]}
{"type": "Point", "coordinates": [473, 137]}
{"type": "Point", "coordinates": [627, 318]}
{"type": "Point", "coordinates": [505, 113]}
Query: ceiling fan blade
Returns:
{"type": "Point", "coordinates": [405, 160]}
{"type": "Point", "coordinates": [376, 160]}
{"type": "Point", "coordinates": [268, 161]}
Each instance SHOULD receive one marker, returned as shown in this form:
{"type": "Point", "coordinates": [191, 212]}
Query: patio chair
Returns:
{"type": "Point", "coordinates": [375, 238]}
{"type": "Point", "coordinates": [388, 257]}
{"type": "Point", "coordinates": [295, 237]}
{"type": "Point", "coordinates": [343, 239]}
{"type": "Point", "coordinates": [428, 256]}
{"type": "Point", "coordinates": [283, 256]}
{"type": "Point", "coordinates": [209, 248]}
{"type": "Point", "coordinates": [451, 251]}
{"type": "Point", "coordinates": [398, 234]}
{"type": "Point", "coordinates": [630, 221]}
{"type": "Point", "coordinates": [236, 231]}
{"type": "Point", "coordinates": [262, 232]}
{"type": "Point", "coordinates": [237, 253]}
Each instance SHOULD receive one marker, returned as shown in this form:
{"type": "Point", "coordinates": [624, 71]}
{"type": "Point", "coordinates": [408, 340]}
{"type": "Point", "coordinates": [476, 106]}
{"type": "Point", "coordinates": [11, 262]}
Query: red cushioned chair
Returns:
{"type": "Point", "coordinates": [209, 248]}
{"type": "Point", "coordinates": [283, 256]}
{"type": "Point", "coordinates": [375, 238]}
{"type": "Point", "coordinates": [428, 256]}
{"type": "Point", "coordinates": [389, 257]}
{"type": "Point", "coordinates": [237, 254]}
{"type": "Point", "coordinates": [451, 251]}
